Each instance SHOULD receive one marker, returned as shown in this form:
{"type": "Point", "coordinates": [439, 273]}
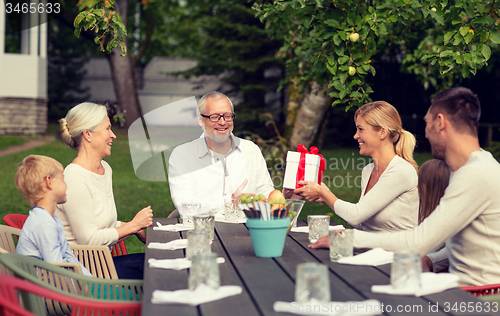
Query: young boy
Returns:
{"type": "Point", "coordinates": [40, 181]}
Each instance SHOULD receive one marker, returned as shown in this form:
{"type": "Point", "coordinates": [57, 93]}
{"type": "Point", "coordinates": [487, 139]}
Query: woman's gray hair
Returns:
{"type": "Point", "coordinates": [216, 95]}
{"type": "Point", "coordinates": [82, 117]}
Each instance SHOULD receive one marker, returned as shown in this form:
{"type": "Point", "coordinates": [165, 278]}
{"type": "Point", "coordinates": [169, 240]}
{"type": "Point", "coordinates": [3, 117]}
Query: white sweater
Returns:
{"type": "Point", "coordinates": [467, 218]}
{"type": "Point", "coordinates": [89, 215]}
{"type": "Point", "coordinates": [392, 203]}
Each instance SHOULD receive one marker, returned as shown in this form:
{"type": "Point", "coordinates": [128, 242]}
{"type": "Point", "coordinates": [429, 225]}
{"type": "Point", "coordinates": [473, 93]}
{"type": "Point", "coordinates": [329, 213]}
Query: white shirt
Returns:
{"type": "Point", "coordinates": [196, 175]}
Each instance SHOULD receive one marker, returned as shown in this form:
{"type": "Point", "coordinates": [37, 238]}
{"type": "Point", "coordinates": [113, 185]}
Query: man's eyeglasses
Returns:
{"type": "Point", "coordinates": [228, 117]}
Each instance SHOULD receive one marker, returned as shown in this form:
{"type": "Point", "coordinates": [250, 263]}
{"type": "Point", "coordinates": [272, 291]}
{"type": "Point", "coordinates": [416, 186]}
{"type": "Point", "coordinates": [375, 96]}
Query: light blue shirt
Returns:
{"type": "Point", "coordinates": [43, 237]}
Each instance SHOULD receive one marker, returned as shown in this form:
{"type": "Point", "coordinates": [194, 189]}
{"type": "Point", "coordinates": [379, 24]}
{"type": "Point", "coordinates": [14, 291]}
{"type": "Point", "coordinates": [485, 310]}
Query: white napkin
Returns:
{"type": "Point", "coordinates": [203, 294]}
{"type": "Point", "coordinates": [430, 283]}
{"type": "Point", "coordinates": [222, 219]}
{"type": "Point", "coordinates": [373, 257]}
{"type": "Point", "coordinates": [175, 264]}
{"type": "Point", "coordinates": [173, 227]}
{"type": "Point", "coordinates": [171, 245]}
{"type": "Point", "coordinates": [368, 307]}
{"type": "Point", "coordinates": [305, 229]}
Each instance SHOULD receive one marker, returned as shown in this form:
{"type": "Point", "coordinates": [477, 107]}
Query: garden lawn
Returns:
{"type": "Point", "coordinates": [342, 175]}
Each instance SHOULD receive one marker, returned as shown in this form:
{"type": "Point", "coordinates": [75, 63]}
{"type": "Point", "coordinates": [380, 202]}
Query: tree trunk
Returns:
{"type": "Point", "coordinates": [310, 115]}
{"type": "Point", "coordinates": [123, 76]}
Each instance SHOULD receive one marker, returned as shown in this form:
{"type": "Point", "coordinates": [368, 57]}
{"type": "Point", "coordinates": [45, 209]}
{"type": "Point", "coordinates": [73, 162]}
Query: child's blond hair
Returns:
{"type": "Point", "coordinates": [31, 173]}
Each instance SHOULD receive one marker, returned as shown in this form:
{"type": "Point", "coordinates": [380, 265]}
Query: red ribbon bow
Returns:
{"type": "Point", "coordinates": [302, 164]}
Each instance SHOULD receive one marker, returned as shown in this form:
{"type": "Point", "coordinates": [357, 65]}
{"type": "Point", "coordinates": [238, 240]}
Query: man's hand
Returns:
{"type": "Point", "coordinates": [311, 190]}
{"type": "Point", "coordinates": [141, 234]}
{"type": "Point", "coordinates": [239, 191]}
{"type": "Point", "coordinates": [427, 265]}
{"type": "Point", "coordinates": [322, 242]}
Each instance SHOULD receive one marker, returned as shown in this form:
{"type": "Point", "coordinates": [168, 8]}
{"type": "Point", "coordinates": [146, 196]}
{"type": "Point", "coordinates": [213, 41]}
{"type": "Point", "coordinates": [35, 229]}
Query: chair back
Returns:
{"type": "Point", "coordinates": [119, 249]}
{"type": "Point", "coordinates": [7, 244]}
{"type": "Point", "coordinates": [67, 282]}
{"type": "Point", "coordinates": [15, 220]}
{"type": "Point", "coordinates": [97, 259]}
{"type": "Point", "coordinates": [9, 303]}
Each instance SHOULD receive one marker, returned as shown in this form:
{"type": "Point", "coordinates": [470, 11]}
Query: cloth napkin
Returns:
{"type": "Point", "coordinates": [368, 307]}
{"type": "Point", "coordinates": [202, 294]}
{"type": "Point", "coordinates": [305, 229]}
{"type": "Point", "coordinates": [175, 264]}
{"type": "Point", "coordinates": [430, 283]}
{"type": "Point", "coordinates": [373, 257]}
{"type": "Point", "coordinates": [171, 245]}
{"type": "Point", "coordinates": [173, 227]}
{"type": "Point", "coordinates": [222, 219]}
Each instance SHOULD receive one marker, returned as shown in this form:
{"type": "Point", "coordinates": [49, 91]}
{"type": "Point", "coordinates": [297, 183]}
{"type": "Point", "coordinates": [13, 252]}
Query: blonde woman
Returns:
{"type": "Point", "coordinates": [389, 195]}
{"type": "Point", "coordinates": [89, 216]}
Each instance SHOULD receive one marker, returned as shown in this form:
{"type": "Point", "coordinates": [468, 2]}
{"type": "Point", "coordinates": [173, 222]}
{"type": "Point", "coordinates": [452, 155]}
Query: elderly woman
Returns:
{"type": "Point", "coordinates": [90, 216]}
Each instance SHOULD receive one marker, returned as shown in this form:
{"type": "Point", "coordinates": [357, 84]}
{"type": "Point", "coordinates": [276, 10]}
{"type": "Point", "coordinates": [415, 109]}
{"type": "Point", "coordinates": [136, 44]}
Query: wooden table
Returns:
{"type": "Point", "coordinates": [266, 280]}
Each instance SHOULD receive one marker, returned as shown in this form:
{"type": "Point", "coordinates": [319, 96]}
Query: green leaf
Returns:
{"type": "Point", "coordinates": [382, 29]}
{"type": "Point", "coordinates": [360, 70]}
{"type": "Point", "coordinates": [332, 69]}
{"type": "Point", "coordinates": [425, 12]}
{"type": "Point", "coordinates": [483, 20]}
{"type": "Point", "coordinates": [437, 17]}
{"type": "Point", "coordinates": [96, 40]}
{"type": "Point", "coordinates": [338, 85]}
{"type": "Point", "coordinates": [339, 50]}
{"type": "Point", "coordinates": [333, 23]}
{"type": "Point", "coordinates": [342, 60]}
{"type": "Point", "coordinates": [455, 22]}
{"type": "Point", "coordinates": [356, 94]}
{"type": "Point", "coordinates": [484, 37]}
{"type": "Point", "coordinates": [448, 36]}
{"type": "Point", "coordinates": [337, 40]}
{"type": "Point", "coordinates": [343, 93]}
{"type": "Point", "coordinates": [331, 60]}
{"type": "Point", "coordinates": [486, 51]}
{"type": "Point", "coordinates": [446, 53]}
{"type": "Point", "coordinates": [77, 32]}
{"type": "Point", "coordinates": [124, 49]}
{"type": "Point", "coordinates": [393, 18]}
{"type": "Point", "coordinates": [366, 67]}
{"type": "Point", "coordinates": [79, 19]}
{"type": "Point", "coordinates": [373, 71]}
{"type": "Point", "coordinates": [468, 37]}
{"type": "Point", "coordinates": [447, 70]}
{"type": "Point", "coordinates": [343, 35]}
{"type": "Point", "coordinates": [464, 30]}
{"type": "Point", "coordinates": [468, 57]}
{"type": "Point", "coordinates": [343, 77]}
{"type": "Point", "coordinates": [459, 59]}
{"type": "Point", "coordinates": [495, 37]}
{"type": "Point", "coordinates": [333, 94]}
{"type": "Point", "coordinates": [338, 101]}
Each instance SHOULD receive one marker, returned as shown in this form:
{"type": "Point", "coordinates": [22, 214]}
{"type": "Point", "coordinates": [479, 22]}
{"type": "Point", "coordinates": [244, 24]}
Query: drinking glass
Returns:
{"type": "Point", "coordinates": [312, 283]}
{"type": "Point", "coordinates": [204, 270]}
{"type": "Point", "coordinates": [341, 243]}
{"type": "Point", "coordinates": [197, 242]}
{"type": "Point", "coordinates": [318, 226]}
{"type": "Point", "coordinates": [406, 270]}
{"type": "Point", "coordinates": [205, 223]}
{"type": "Point", "coordinates": [187, 211]}
{"type": "Point", "coordinates": [232, 210]}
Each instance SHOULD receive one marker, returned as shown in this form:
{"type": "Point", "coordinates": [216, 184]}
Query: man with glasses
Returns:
{"type": "Point", "coordinates": [217, 166]}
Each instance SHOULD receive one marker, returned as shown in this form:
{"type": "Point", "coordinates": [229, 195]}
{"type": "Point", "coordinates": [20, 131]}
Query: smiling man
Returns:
{"type": "Point", "coordinates": [217, 166]}
{"type": "Point", "coordinates": [468, 215]}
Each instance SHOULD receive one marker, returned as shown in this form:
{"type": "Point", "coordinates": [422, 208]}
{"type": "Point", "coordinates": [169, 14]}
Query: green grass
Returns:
{"type": "Point", "coordinates": [7, 141]}
{"type": "Point", "coordinates": [132, 194]}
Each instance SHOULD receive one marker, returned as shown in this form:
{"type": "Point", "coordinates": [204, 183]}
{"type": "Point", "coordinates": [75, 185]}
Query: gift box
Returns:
{"type": "Point", "coordinates": [303, 165]}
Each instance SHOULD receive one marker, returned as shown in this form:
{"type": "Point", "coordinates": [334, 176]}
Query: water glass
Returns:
{"type": "Point", "coordinates": [341, 244]}
{"type": "Point", "coordinates": [232, 210]}
{"type": "Point", "coordinates": [197, 242]}
{"type": "Point", "coordinates": [204, 270]}
{"type": "Point", "coordinates": [312, 283]}
{"type": "Point", "coordinates": [405, 271]}
{"type": "Point", "coordinates": [187, 211]}
{"type": "Point", "coordinates": [204, 223]}
{"type": "Point", "coordinates": [318, 226]}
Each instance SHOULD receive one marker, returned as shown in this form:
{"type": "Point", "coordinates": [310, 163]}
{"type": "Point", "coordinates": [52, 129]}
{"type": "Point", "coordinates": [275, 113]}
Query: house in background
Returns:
{"type": "Point", "coordinates": [23, 74]}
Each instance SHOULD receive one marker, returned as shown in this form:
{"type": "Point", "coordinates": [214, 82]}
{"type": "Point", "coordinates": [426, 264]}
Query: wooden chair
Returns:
{"type": "Point", "coordinates": [67, 282]}
{"type": "Point", "coordinates": [76, 305]}
{"type": "Point", "coordinates": [17, 221]}
{"type": "Point", "coordinates": [97, 259]}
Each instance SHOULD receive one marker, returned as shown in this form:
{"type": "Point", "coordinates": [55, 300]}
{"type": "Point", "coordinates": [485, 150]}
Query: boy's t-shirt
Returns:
{"type": "Point", "coordinates": [43, 237]}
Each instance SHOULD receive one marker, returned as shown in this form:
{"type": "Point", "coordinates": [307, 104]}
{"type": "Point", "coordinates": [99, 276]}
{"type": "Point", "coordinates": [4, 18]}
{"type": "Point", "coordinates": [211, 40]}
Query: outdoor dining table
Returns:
{"type": "Point", "coordinates": [267, 280]}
